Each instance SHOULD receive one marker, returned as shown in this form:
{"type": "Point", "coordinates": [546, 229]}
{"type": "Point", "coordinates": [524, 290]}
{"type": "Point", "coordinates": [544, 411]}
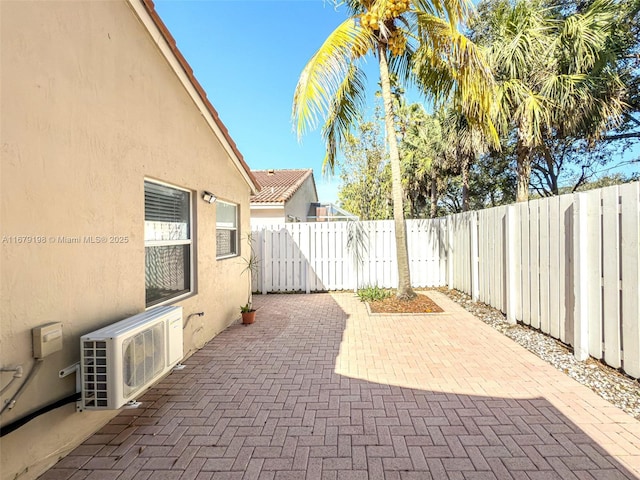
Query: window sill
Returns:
{"type": "Point", "coordinates": [171, 300]}
{"type": "Point", "coordinates": [235, 255]}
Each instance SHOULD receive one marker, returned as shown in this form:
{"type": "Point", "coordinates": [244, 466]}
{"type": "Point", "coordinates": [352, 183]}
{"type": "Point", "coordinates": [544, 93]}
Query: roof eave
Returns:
{"type": "Point", "coordinates": [146, 12]}
{"type": "Point", "coordinates": [261, 205]}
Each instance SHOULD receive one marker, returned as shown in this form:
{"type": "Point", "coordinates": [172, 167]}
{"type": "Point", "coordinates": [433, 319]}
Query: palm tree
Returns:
{"type": "Point", "coordinates": [332, 84]}
{"type": "Point", "coordinates": [544, 67]}
{"type": "Point", "coordinates": [466, 141]}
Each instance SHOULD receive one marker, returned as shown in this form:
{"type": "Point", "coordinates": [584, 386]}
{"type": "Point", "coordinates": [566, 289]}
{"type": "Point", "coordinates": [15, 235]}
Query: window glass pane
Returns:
{"type": "Point", "coordinates": [226, 242]}
{"type": "Point", "coordinates": [167, 272]}
{"type": "Point", "coordinates": [166, 213]}
{"type": "Point", "coordinates": [164, 231]}
{"type": "Point", "coordinates": [226, 215]}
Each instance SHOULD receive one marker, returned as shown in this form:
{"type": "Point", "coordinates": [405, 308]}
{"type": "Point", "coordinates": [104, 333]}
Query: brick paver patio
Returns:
{"type": "Point", "coordinates": [318, 389]}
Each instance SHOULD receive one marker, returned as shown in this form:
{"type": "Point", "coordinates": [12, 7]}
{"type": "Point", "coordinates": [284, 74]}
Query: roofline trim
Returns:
{"type": "Point", "coordinates": [146, 12]}
{"type": "Point", "coordinates": [266, 205]}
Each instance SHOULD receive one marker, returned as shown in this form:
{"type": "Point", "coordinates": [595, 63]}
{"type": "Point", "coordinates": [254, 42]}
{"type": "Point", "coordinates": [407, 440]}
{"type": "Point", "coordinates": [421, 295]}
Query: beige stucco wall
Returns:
{"type": "Point", "coordinates": [90, 108]}
{"type": "Point", "coordinates": [266, 216]}
{"type": "Point", "coordinates": [298, 204]}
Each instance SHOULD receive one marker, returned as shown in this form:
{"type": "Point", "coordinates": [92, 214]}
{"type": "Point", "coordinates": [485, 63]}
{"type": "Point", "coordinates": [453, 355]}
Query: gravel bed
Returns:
{"type": "Point", "coordinates": [619, 389]}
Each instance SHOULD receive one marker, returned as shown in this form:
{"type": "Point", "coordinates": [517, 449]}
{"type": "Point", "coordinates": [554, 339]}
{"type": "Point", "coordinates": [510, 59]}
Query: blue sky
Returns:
{"type": "Point", "coordinates": [248, 56]}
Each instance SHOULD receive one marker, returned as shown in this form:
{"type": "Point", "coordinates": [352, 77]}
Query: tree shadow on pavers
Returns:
{"type": "Point", "coordinates": [265, 401]}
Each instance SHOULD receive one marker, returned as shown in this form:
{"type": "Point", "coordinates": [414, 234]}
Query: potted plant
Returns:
{"type": "Point", "coordinates": [251, 263]}
{"type": "Point", "coordinates": [248, 314]}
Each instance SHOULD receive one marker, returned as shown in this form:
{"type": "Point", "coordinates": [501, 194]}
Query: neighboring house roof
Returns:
{"type": "Point", "coordinates": [210, 114]}
{"type": "Point", "coordinates": [328, 210]}
{"type": "Point", "coordinates": [278, 186]}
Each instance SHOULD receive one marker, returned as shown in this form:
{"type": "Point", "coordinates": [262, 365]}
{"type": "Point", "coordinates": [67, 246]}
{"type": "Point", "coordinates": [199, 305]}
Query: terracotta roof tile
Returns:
{"type": "Point", "coordinates": [278, 186]}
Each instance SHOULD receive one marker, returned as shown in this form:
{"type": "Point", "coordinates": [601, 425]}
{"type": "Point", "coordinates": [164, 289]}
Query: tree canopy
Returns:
{"type": "Point", "coordinates": [566, 90]}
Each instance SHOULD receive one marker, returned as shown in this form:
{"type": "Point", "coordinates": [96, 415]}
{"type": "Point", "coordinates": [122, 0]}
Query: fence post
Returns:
{"type": "Point", "coordinates": [511, 259]}
{"type": "Point", "coordinates": [306, 241]}
{"type": "Point", "coordinates": [450, 237]}
{"type": "Point", "coordinates": [475, 274]}
{"type": "Point", "coordinates": [263, 260]}
{"type": "Point", "coordinates": [581, 279]}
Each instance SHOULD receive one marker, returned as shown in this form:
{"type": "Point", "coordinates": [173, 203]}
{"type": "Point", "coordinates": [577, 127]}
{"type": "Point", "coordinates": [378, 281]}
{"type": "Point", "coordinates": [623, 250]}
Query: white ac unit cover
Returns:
{"type": "Point", "coordinates": [120, 361]}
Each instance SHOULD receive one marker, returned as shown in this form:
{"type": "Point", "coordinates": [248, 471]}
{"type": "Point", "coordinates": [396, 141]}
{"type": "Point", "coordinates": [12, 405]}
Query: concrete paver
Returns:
{"type": "Point", "coordinates": [318, 389]}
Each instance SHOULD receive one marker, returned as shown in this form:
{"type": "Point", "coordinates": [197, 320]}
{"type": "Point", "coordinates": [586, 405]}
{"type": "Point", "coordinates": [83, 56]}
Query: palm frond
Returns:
{"type": "Point", "coordinates": [356, 7]}
{"type": "Point", "coordinates": [323, 75]}
{"type": "Point", "coordinates": [451, 66]}
{"type": "Point", "coordinates": [456, 11]}
{"type": "Point", "coordinates": [532, 118]}
{"type": "Point", "coordinates": [432, 66]}
{"type": "Point", "coordinates": [522, 43]}
{"type": "Point", "coordinates": [584, 35]}
{"type": "Point", "coordinates": [564, 91]}
{"type": "Point", "coordinates": [346, 105]}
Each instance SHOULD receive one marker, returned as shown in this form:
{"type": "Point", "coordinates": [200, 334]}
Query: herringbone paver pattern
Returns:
{"type": "Point", "coordinates": [316, 389]}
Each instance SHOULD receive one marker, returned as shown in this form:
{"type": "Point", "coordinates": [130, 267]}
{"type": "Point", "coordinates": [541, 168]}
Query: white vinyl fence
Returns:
{"type": "Point", "coordinates": [567, 265]}
{"type": "Point", "coordinates": [311, 257]}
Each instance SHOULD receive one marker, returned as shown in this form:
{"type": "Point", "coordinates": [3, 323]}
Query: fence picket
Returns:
{"type": "Point", "coordinates": [594, 274]}
{"type": "Point", "coordinates": [526, 264]}
{"type": "Point", "coordinates": [483, 237]}
{"type": "Point", "coordinates": [442, 251]}
{"type": "Point", "coordinates": [534, 263]}
{"type": "Point", "coordinates": [630, 274]}
{"type": "Point", "coordinates": [494, 252]}
{"type": "Point", "coordinates": [611, 277]}
{"type": "Point", "coordinates": [544, 271]}
{"type": "Point", "coordinates": [553, 263]}
{"type": "Point", "coordinates": [511, 265]}
{"type": "Point", "coordinates": [567, 256]}
{"type": "Point", "coordinates": [502, 262]}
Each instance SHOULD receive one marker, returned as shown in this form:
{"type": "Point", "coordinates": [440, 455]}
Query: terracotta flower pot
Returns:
{"type": "Point", "coordinates": [248, 317]}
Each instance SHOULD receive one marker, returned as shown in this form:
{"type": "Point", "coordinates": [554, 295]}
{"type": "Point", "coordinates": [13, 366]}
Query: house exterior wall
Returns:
{"type": "Point", "coordinates": [90, 108]}
{"type": "Point", "coordinates": [267, 216]}
{"type": "Point", "coordinates": [298, 205]}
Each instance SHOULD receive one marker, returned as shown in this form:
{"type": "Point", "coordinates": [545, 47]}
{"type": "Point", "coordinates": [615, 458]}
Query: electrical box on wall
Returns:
{"type": "Point", "coordinates": [47, 339]}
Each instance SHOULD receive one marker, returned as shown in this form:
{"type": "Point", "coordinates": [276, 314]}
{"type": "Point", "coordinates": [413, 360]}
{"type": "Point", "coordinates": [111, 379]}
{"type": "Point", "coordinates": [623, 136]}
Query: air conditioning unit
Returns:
{"type": "Point", "coordinates": [122, 360]}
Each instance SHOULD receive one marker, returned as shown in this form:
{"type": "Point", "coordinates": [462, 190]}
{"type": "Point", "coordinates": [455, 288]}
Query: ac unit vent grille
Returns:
{"type": "Point", "coordinates": [95, 373]}
{"type": "Point", "coordinates": [143, 358]}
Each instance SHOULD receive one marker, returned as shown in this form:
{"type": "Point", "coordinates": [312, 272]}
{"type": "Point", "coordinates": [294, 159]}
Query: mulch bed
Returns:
{"type": "Point", "coordinates": [420, 304]}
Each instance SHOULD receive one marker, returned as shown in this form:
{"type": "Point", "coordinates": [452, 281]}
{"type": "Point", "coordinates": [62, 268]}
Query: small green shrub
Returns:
{"type": "Point", "coordinates": [372, 294]}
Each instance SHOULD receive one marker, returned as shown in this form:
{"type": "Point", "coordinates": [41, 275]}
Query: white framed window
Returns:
{"type": "Point", "coordinates": [167, 242]}
{"type": "Point", "coordinates": [226, 229]}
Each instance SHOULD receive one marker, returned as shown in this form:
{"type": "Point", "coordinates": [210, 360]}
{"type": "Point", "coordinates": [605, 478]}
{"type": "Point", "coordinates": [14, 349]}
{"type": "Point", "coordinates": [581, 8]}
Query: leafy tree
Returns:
{"type": "Point", "coordinates": [423, 160]}
{"type": "Point", "coordinates": [571, 162]}
{"type": "Point", "coordinates": [492, 181]}
{"type": "Point", "coordinates": [332, 84]}
{"type": "Point", "coordinates": [365, 174]}
{"type": "Point", "coordinates": [608, 180]}
{"type": "Point", "coordinates": [625, 43]}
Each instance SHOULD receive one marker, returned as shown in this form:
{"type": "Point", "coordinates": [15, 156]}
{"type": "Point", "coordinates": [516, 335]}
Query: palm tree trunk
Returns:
{"type": "Point", "coordinates": [465, 183]}
{"type": "Point", "coordinates": [434, 196]}
{"type": "Point", "coordinates": [552, 172]}
{"type": "Point", "coordinates": [524, 172]}
{"type": "Point", "coordinates": [404, 278]}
